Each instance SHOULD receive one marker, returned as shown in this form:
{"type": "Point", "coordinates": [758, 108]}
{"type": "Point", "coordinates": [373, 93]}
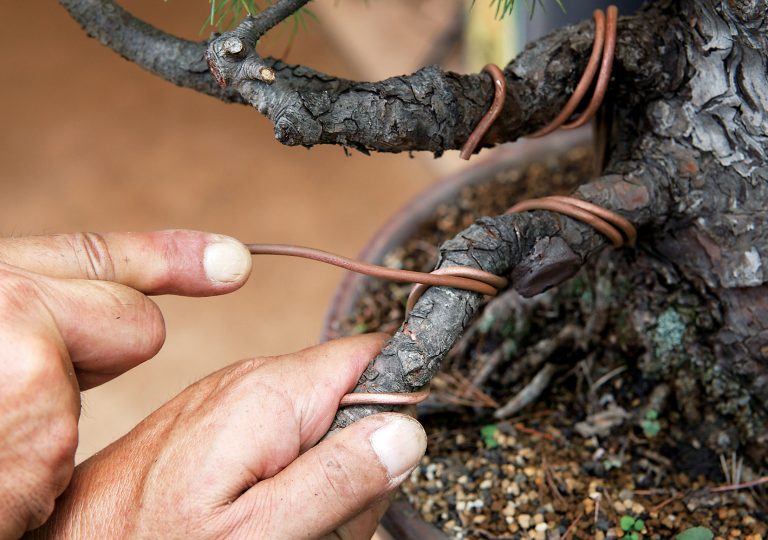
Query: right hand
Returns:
{"type": "Point", "coordinates": [239, 455]}
{"type": "Point", "coordinates": [73, 315]}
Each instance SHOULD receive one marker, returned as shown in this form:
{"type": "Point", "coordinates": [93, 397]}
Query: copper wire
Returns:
{"type": "Point", "coordinates": [603, 51]}
{"type": "Point", "coordinates": [584, 83]}
{"type": "Point", "coordinates": [469, 279]}
{"type": "Point", "coordinates": [500, 92]}
{"type": "Point", "coordinates": [626, 227]}
{"type": "Point", "coordinates": [603, 220]}
{"type": "Point", "coordinates": [605, 71]}
{"type": "Point", "coordinates": [495, 281]}
{"type": "Point", "coordinates": [384, 398]}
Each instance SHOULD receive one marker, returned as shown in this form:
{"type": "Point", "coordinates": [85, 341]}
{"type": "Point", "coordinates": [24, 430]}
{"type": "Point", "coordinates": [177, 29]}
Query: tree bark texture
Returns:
{"type": "Point", "coordinates": [686, 164]}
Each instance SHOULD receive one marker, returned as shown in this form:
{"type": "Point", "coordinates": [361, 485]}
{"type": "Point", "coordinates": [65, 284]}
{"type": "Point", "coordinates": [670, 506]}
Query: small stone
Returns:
{"type": "Point", "coordinates": [525, 521]}
{"type": "Point", "coordinates": [619, 507]}
{"type": "Point", "coordinates": [637, 509]}
{"type": "Point", "coordinates": [514, 489]}
{"type": "Point", "coordinates": [463, 479]}
{"type": "Point", "coordinates": [669, 521]}
{"type": "Point", "coordinates": [625, 495]}
{"type": "Point", "coordinates": [541, 527]}
{"type": "Point", "coordinates": [486, 484]}
{"type": "Point", "coordinates": [538, 519]}
{"type": "Point", "coordinates": [509, 510]}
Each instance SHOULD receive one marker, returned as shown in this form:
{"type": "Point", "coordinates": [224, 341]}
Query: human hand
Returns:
{"type": "Point", "coordinates": [73, 314]}
{"type": "Point", "coordinates": [234, 455]}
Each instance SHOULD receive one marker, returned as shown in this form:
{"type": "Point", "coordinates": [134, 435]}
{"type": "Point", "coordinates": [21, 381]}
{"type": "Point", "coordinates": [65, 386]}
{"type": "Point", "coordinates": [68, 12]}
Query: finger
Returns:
{"type": "Point", "coordinates": [107, 328]}
{"type": "Point", "coordinates": [364, 524]}
{"type": "Point", "coordinates": [296, 395]}
{"type": "Point", "coordinates": [319, 377]}
{"type": "Point", "coordinates": [336, 480]}
{"type": "Point", "coordinates": [182, 262]}
{"type": "Point", "coordinates": [39, 406]}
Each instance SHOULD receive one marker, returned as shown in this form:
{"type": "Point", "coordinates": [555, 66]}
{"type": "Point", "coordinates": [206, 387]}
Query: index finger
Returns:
{"type": "Point", "coordinates": [189, 263]}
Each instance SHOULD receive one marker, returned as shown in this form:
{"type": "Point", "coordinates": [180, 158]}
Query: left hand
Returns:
{"type": "Point", "coordinates": [234, 455]}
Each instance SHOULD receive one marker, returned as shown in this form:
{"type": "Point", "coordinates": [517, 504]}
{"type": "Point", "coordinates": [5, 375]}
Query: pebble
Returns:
{"type": "Point", "coordinates": [541, 527]}
{"type": "Point", "coordinates": [538, 519]}
{"type": "Point", "coordinates": [525, 521]}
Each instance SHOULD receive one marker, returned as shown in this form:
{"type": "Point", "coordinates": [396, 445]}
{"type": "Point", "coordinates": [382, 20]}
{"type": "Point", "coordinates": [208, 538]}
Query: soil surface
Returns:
{"type": "Point", "coordinates": [588, 447]}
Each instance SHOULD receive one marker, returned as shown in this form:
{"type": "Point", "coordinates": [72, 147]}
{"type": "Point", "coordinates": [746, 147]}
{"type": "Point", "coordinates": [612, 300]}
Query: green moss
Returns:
{"type": "Point", "coordinates": [670, 329]}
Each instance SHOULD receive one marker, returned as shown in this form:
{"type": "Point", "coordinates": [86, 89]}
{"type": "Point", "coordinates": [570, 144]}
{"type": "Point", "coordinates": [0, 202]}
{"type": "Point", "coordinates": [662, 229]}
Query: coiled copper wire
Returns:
{"type": "Point", "coordinates": [604, 47]}
{"type": "Point", "coordinates": [609, 223]}
{"type": "Point", "coordinates": [499, 94]}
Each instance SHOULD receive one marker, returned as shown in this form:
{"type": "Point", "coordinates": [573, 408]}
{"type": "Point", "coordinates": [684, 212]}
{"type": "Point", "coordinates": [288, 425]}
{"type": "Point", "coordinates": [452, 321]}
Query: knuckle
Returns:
{"type": "Point", "coordinates": [62, 438]}
{"type": "Point", "coordinates": [34, 364]}
{"type": "Point", "coordinates": [17, 291]}
{"type": "Point", "coordinates": [92, 255]}
{"type": "Point", "coordinates": [36, 507]}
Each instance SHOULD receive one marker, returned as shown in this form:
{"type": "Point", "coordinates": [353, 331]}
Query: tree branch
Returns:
{"type": "Point", "coordinates": [535, 250]}
{"type": "Point", "coordinates": [429, 110]}
{"type": "Point", "coordinates": [177, 60]}
{"type": "Point", "coordinates": [434, 110]}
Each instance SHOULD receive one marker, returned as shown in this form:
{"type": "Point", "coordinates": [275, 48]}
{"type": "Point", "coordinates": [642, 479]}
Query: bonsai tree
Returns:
{"type": "Point", "coordinates": [685, 163]}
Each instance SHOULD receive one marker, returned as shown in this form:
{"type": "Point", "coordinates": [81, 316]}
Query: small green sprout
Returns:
{"type": "Point", "coordinates": [632, 526]}
{"type": "Point", "coordinates": [650, 424]}
{"type": "Point", "coordinates": [487, 433]}
{"type": "Point", "coordinates": [360, 328]}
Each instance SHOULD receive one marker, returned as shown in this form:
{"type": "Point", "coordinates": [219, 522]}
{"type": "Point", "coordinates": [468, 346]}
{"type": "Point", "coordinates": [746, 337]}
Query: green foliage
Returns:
{"type": "Point", "coordinates": [650, 424]}
{"type": "Point", "coordinates": [505, 7]}
{"type": "Point", "coordinates": [487, 433]}
{"type": "Point", "coordinates": [632, 526]}
{"type": "Point", "coordinates": [360, 328]}
{"type": "Point", "coordinates": [226, 14]}
{"type": "Point", "coordinates": [696, 533]}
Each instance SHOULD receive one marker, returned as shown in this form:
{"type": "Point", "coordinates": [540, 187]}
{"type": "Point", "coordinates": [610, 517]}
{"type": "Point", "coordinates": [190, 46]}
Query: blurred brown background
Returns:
{"type": "Point", "coordinates": [92, 142]}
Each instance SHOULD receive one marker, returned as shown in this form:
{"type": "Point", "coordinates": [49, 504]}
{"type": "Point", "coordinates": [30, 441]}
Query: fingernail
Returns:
{"type": "Point", "coordinates": [399, 444]}
{"type": "Point", "coordinates": [226, 261]}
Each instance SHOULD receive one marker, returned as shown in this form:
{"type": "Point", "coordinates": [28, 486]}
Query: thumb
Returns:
{"type": "Point", "coordinates": [336, 480]}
